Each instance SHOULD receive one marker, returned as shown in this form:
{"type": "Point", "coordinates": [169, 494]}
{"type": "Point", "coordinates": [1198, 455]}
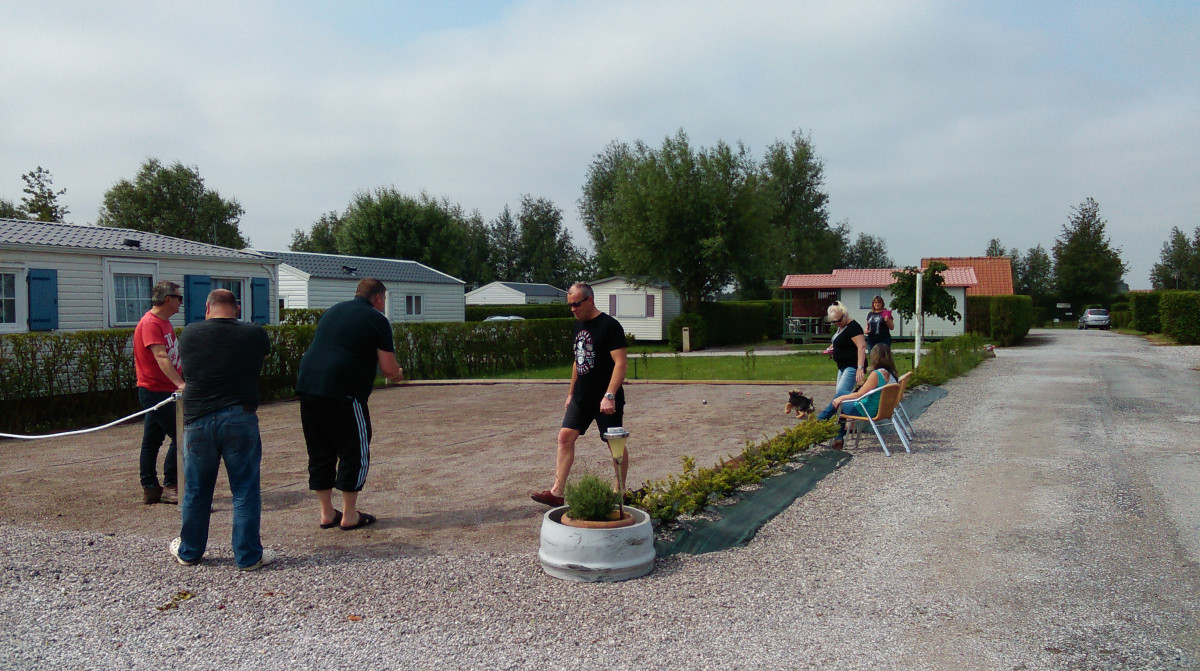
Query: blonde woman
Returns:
{"type": "Point", "coordinates": [850, 354]}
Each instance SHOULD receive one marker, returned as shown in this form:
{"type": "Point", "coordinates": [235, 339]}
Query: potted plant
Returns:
{"type": "Point", "coordinates": [595, 538]}
{"type": "Point", "coordinates": [592, 503]}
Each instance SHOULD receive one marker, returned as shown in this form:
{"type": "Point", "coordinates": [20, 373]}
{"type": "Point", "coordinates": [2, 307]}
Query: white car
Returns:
{"type": "Point", "coordinates": [1094, 318]}
{"type": "Point", "coordinates": [504, 318]}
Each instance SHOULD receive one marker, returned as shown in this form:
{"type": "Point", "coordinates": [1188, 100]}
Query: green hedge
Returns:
{"type": "Point", "coordinates": [949, 359]}
{"type": "Point", "coordinates": [1120, 319]}
{"type": "Point", "coordinates": [1005, 319]}
{"type": "Point", "coordinates": [1145, 311]}
{"type": "Point", "coordinates": [300, 316]}
{"type": "Point", "coordinates": [1040, 317]}
{"type": "Point", "coordinates": [1179, 312]}
{"type": "Point", "coordinates": [51, 381]}
{"type": "Point", "coordinates": [477, 313]}
{"type": "Point", "coordinates": [698, 330]}
{"type": "Point", "coordinates": [744, 322]}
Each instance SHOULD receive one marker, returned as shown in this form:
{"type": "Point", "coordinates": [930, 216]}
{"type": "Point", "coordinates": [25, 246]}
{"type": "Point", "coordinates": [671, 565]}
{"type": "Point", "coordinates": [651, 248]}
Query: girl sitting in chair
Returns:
{"type": "Point", "coordinates": [883, 371]}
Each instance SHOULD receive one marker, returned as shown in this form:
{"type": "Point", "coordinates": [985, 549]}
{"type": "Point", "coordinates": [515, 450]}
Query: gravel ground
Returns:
{"type": "Point", "coordinates": [1022, 533]}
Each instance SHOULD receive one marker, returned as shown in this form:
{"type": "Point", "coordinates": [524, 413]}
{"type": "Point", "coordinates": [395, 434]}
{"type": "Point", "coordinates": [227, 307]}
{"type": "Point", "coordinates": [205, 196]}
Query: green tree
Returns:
{"type": "Point", "coordinates": [691, 218]}
{"type": "Point", "coordinates": [995, 248]}
{"type": "Point", "coordinates": [1036, 276]}
{"type": "Point", "coordinates": [321, 238]}
{"type": "Point", "coordinates": [793, 186]}
{"type": "Point", "coordinates": [1179, 264]}
{"type": "Point", "coordinates": [867, 251]}
{"type": "Point", "coordinates": [1087, 268]}
{"type": "Point", "coordinates": [935, 300]}
{"type": "Point", "coordinates": [504, 239]}
{"type": "Point", "coordinates": [41, 200]}
{"type": "Point", "coordinates": [547, 253]}
{"type": "Point", "coordinates": [391, 225]}
{"type": "Point", "coordinates": [477, 253]}
{"type": "Point", "coordinates": [10, 211]}
{"type": "Point", "coordinates": [173, 201]}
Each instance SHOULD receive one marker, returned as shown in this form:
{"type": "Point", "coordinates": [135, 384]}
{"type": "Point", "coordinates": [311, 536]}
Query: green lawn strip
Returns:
{"type": "Point", "coordinates": [787, 368]}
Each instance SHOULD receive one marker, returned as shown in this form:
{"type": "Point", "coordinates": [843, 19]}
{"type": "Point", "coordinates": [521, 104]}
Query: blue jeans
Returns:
{"type": "Point", "coordinates": [845, 385]}
{"type": "Point", "coordinates": [156, 426]}
{"type": "Point", "coordinates": [230, 434]}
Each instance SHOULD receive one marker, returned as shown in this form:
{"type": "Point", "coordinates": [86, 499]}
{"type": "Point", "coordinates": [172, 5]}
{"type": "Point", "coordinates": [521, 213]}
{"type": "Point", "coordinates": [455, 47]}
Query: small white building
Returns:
{"type": "Point", "coordinates": [515, 293]}
{"type": "Point", "coordinates": [645, 308]}
{"type": "Point", "coordinates": [72, 277]}
{"type": "Point", "coordinates": [416, 292]}
{"type": "Point", "coordinates": [856, 288]}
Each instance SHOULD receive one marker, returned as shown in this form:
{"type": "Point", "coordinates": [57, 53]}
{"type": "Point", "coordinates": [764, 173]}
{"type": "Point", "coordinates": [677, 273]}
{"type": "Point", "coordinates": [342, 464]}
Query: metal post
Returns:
{"type": "Point", "coordinates": [179, 443]}
{"type": "Point", "coordinates": [920, 326]}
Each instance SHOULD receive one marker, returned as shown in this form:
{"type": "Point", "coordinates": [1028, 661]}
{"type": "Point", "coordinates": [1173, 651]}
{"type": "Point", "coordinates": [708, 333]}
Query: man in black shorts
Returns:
{"type": "Point", "coordinates": [336, 376]}
{"type": "Point", "coordinates": [595, 393]}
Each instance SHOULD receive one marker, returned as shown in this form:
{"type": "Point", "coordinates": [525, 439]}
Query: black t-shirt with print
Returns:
{"type": "Point", "coordinates": [845, 352]}
{"type": "Point", "coordinates": [594, 342]}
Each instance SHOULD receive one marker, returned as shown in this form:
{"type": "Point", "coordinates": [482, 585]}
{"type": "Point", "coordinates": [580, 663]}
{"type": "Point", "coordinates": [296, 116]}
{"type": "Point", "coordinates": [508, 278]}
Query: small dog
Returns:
{"type": "Point", "coordinates": [801, 404]}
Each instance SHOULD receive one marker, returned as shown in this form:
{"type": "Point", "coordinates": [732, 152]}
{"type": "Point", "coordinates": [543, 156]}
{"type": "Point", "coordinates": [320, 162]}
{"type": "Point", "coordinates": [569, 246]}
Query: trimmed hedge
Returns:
{"type": "Point", "coordinates": [1145, 311]}
{"type": "Point", "coordinates": [1005, 319]}
{"type": "Point", "coordinates": [477, 313]}
{"type": "Point", "coordinates": [300, 316]}
{"type": "Point", "coordinates": [744, 322]}
{"type": "Point", "coordinates": [51, 381]}
{"type": "Point", "coordinates": [1120, 319]}
{"type": "Point", "coordinates": [1179, 312]}
{"type": "Point", "coordinates": [697, 336]}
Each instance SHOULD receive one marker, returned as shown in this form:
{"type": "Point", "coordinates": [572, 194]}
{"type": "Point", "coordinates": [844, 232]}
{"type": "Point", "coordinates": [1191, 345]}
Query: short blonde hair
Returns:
{"type": "Point", "coordinates": [836, 311]}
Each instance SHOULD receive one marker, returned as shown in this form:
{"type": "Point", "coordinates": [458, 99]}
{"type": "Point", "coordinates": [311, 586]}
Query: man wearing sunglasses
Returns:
{"type": "Point", "coordinates": [156, 363]}
{"type": "Point", "coordinates": [595, 394]}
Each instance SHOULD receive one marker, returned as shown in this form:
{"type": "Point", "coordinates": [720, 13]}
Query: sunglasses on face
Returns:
{"type": "Point", "coordinates": [577, 303]}
{"type": "Point", "coordinates": [175, 296]}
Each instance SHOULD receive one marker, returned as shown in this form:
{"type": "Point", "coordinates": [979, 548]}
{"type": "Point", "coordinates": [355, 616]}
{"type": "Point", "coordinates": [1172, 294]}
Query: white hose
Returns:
{"type": "Point", "coordinates": [169, 399]}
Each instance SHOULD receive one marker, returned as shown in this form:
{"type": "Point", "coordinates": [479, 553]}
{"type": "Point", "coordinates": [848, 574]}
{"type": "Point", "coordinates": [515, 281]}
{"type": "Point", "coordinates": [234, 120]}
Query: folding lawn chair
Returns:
{"type": "Point", "coordinates": [889, 397]}
{"type": "Point", "coordinates": [900, 413]}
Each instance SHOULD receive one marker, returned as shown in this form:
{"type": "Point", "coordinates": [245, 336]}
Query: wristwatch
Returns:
{"type": "Point", "coordinates": [610, 396]}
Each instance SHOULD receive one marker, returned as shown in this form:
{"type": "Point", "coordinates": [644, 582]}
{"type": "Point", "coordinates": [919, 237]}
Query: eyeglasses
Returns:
{"type": "Point", "coordinates": [577, 303]}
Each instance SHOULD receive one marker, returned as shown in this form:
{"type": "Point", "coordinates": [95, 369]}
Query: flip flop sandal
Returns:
{"type": "Point", "coordinates": [363, 520]}
{"type": "Point", "coordinates": [337, 520]}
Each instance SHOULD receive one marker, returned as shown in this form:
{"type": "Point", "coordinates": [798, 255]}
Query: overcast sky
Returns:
{"type": "Point", "coordinates": [941, 124]}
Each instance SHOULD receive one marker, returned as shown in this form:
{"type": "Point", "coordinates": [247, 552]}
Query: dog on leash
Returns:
{"type": "Point", "coordinates": [798, 403]}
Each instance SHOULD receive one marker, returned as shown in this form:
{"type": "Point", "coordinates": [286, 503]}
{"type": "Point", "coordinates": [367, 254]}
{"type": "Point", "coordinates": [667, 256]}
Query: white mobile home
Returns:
{"type": "Point", "coordinates": [515, 293]}
{"type": "Point", "coordinates": [70, 277]}
{"type": "Point", "coordinates": [416, 293]}
{"type": "Point", "coordinates": [644, 308]}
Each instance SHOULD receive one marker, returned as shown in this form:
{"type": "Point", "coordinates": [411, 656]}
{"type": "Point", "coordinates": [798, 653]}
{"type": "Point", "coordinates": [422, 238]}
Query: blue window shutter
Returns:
{"type": "Point", "coordinates": [260, 300]}
{"type": "Point", "coordinates": [43, 299]}
{"type": "Point", "coordinates": [195, 293]}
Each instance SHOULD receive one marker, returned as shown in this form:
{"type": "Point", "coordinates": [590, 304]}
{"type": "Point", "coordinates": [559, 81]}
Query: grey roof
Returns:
{"type": "Point", "coordinates": [535, 289]}
{"type": "Point", "coordinates": [103, 238]}
{"type": "Point", "coordinates": [638, 281]}
{"type": "Point", "coordinates": [338, 266]}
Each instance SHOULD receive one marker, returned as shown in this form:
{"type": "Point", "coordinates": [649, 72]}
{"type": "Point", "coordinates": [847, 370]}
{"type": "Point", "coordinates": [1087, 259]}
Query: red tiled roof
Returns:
{"type": "Point", "coordinates": [859, 278]}
{"type": "Point", "coordinates": [993, 272]}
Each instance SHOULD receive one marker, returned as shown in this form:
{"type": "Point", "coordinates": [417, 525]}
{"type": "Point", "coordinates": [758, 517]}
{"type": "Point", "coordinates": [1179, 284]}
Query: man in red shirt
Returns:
{"type": "Point", "coordinates": [156, 361]}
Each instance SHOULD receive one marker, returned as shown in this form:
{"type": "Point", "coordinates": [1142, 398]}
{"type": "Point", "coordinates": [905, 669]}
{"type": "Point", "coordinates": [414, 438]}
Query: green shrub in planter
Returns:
{"type": "Point", "coordinates": [590, 498]}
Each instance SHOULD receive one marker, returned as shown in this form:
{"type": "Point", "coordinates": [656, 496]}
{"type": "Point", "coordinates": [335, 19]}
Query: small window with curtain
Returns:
{"type": "Point", "coordinates": [8, 298]}
{"type": "Point", "coordinates": [412, 305]}
{"type": "Point", "coordinates": [631, 305]}
{"type": "Point", "coordinates": [131, 297]}
{"type": "Point", "coordinates": [234, 286]}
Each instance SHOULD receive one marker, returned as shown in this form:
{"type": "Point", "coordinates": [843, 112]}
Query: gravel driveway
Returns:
{"type": "Point", "coordinates": [1046, 520]}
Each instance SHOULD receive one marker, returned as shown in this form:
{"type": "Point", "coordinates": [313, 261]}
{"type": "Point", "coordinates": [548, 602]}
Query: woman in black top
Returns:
{"type": "Point", "coordinates": [850, 355]}
{"type": "Point", "coordinates": [879, 324]}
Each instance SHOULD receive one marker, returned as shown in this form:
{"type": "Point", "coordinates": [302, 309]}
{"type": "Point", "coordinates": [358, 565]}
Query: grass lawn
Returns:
{"type": "Point", "coordinates": [793, 368]}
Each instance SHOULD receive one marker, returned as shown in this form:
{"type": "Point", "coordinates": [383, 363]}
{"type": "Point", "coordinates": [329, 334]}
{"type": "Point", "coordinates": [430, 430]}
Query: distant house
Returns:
{"type": "Point", "coordinates": [515, 293]}
{"type": "Point", "coordinates": [644, 310]}
{"type": "Point", "coordinates": [71, 277]}
{"type": "Point", "coordinates": [811, 295]}
{"type": "Point", "coordinates": [994, 273]}
{"type": "Point", "coordinates": [416, 292]}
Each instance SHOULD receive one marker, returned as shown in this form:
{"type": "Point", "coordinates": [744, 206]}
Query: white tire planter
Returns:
{"type": "Point", "coordinates": [597, 555]}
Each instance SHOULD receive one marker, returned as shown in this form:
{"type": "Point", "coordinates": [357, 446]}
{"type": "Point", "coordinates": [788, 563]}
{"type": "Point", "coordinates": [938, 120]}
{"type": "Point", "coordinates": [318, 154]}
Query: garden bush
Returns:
{"type": "Point", "coordinates": [1004, 319]}
{"type": "Point", "coordinates": [1146, 311]}
{"type": "Point", "coordinates": [697, 331]}
{"type": "Point", "coordinates": [743, 322]}
{"type": "Point", "coordinates": [950, 358]}
{"type": "Point", "coordinates": [477, 313]}
{"type": "Point", "coordinates": [1179, 312]}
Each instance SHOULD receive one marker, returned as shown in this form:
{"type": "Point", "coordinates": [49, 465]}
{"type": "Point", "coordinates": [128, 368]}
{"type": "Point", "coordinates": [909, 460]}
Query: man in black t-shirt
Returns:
{"type": "Point", "coordinates": [336, 376]}
{"type": "Point", "coordinates": [223, 359]}
{"type": "Point", "coordinates": [595, 393]}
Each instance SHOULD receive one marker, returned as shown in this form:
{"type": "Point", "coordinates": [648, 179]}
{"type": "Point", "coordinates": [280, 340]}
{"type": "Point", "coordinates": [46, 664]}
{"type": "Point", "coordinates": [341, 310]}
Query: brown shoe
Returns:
{"type": "Point", "coordinates": [546, 498]}
{"type": "Point", "coordinates": [838, 444]}
{"type": "Point", "coordinates": [151, 495]}
{"type": "Point", "coordinates": [169, 495]}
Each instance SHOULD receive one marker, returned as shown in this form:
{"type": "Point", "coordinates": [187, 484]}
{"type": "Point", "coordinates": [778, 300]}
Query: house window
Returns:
{"type": "Point", "coordinates": [131, 296]}
{"type": "Point", "coordinates": [8, 298]}
{"type": "Point", "coordinates": [631, 305]}
{"type": "Point", "coordinates": [234, 286]}
{"type": "Point", "coordinates": [865, 296]}
{"type": "Point", "coordinates": [412, 305]}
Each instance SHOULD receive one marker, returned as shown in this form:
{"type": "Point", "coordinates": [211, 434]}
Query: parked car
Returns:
{"type": "Point", "coordinates": [1094, 318]}
{"type": "Point", "coordinates": [503, 318]}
